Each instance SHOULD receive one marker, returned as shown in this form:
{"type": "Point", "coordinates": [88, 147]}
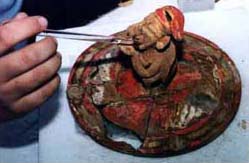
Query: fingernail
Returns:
{"type": "Point", "coordinates": [43, 21]}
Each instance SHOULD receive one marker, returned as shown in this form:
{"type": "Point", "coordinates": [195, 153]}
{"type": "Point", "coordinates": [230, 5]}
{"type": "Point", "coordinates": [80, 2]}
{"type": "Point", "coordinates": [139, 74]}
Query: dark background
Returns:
{"type": "Point", "coordinates": [68, 13]}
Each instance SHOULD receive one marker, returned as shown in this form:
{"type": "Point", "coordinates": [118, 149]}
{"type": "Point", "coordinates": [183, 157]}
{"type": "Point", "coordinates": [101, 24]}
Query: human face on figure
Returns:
{"type": "Point", "coordinates": [156, 30]}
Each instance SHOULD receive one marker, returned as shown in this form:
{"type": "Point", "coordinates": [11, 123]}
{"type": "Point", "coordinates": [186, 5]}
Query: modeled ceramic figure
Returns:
{"type": "Point", "coordinates": [153, 54]}
{"type": "Point", "coordinates": [172, 90]}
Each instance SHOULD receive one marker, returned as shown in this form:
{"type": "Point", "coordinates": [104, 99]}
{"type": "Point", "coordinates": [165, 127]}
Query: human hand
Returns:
{"type": "Point", "coordinates": [27, 76]}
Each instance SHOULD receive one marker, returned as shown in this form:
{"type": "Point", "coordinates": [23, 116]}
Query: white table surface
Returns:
{"type": "Point", "coordinates": [61, 140]}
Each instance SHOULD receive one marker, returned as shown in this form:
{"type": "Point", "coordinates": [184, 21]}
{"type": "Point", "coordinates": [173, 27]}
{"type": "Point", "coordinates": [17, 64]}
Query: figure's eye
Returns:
{"type": "Point", "coordinates": [168, 16]}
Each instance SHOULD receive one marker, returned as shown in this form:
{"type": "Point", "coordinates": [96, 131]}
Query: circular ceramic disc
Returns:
{"type": "Point", "coordinates": [112, 105]}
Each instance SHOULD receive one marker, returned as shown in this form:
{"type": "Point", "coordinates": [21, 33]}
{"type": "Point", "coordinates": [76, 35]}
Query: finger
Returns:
{"type": "Point", "coordinates": [19, 30]}
{"type": "Point", "coordinates": [20, 16]}
{"type": "Point", "coordinates": [36, 98]}
{"type": "Point", "coordinates": [25, 59]}
{"type": "Point", "coordinates": [163, 42]}
{"type": "Point", "coordinates": [31, 80]}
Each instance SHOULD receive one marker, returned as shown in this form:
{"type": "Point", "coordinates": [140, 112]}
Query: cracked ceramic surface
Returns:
{"type": "Point", "coordinates": [190, 111]}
